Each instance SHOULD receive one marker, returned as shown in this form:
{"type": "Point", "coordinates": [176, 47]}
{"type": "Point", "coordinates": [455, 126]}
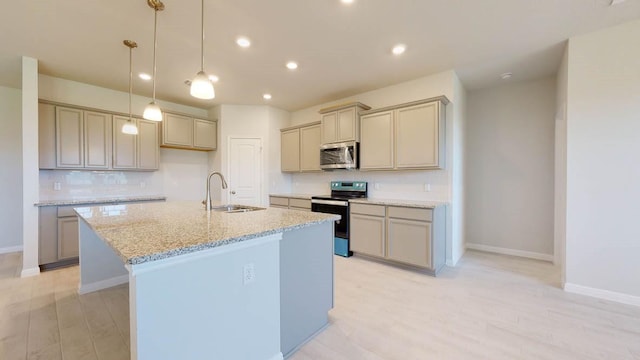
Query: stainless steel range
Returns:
{"type": "Point", "coordinates": [338, 203]}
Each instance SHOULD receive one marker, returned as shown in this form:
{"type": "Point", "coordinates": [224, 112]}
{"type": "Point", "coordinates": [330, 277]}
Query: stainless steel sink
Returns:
{"type": "Point", "coordinates": [232, 208]}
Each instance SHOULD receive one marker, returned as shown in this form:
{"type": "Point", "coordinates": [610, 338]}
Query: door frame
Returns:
{"type": "Point", "coordinates": [261, 189]}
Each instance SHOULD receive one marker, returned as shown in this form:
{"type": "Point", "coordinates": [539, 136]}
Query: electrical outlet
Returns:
{"type": "Point", "coordinates": [56, 186]}
{"type": "Point", "coordinates": [427, 187]}
{"type": "Point", "coordinates": [143, 184]}
{"type": "Point", "coordinates": [248, 274]}
{"type": "Point", "coordinates": [377, 186]}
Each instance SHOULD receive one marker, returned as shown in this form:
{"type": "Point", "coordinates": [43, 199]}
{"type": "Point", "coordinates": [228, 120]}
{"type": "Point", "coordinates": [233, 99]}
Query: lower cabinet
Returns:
{"type": "Point", "coordinates": [282, 202]}
{"type": "Point", "coordinates": [58, 239]}
{"type": "Point", "coordinates": [368, 231]}
{"type": "Point", "coordinates": [412, 236]}
{"type": "Point", "coordinates": [68, 238]}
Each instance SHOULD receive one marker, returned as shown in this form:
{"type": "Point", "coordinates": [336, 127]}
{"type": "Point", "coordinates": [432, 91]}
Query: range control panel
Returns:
{"type": "Point", "coordinates": [349, 186]}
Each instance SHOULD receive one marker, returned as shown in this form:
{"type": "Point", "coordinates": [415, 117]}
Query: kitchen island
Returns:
{"type": "Point", "coordinates": [212, 285]}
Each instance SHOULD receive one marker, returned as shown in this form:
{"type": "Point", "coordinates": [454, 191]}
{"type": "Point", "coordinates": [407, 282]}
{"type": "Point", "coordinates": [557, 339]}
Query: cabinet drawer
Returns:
{"type": "Point", "coordinates": [65, 211]}
{"type": "Point", "coordinates": [375, 210]}
{"type": "Point", "coordinates": [300, 203]}
{"type": "Point", "coordinates": [275, 200]}
{"type": "Point", "coordinates": [410, 213]}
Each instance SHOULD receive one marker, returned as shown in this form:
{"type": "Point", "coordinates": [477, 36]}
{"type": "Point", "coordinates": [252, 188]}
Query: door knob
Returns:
{"type": "Point", "coordinates": [233, 192]}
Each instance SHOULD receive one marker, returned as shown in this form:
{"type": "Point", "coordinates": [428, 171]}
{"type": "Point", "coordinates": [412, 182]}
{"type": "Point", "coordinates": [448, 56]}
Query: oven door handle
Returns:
{"type": "Point", "coordinates": [330, 202]}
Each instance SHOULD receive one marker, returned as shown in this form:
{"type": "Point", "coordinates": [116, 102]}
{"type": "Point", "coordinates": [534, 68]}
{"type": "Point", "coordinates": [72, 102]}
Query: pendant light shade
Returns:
{"type": "Point", "coordinates": [201, 85]}
{"type": "Point", "coordinates": [130, 126]}
{"type": "Point", "coordinates": [152, 111]}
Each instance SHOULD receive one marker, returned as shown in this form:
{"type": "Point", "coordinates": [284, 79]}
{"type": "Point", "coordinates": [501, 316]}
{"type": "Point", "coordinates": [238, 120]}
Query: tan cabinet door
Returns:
{"type": "Point", "coordinates": [346, 127]}
{"type": "Point", "coordinates": [68, 238]}
{"type": "Point", "coordinates": [204, 134]}
{"type": "Point", "coordinates": [376, 141]}
{"type": "Point", "coordinates": [46, 136]}
{"type": "Point", "coordinates": [409, 241]}
{"type": "Point", "coordinates": [124, 145]}
{"type": "Point", "coordinates": [417, 139]}
{"type": "Point", "coordinates": [290, 150]}
{"type": "Point", "coordinates": [310, 148]}
{"type": "Point", "coordinates": [148, 145]}
{"type": "Point", "coordinates": [69, 138]}
{"type": "Point", "coordinates": [367, 234]}
{"type": "Point", "coordinates": [329, 125]}
{"type": "Point", "coordinates": [97, 140]}
{"type": "Point", "coordinates": [177, 130]}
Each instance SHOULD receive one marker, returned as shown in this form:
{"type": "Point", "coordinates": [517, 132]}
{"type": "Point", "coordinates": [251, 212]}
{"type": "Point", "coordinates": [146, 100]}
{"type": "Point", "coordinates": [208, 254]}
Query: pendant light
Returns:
{"type": "Point", "coordinates": [201, 85]}
{"type": "Point", "coordinates": [152, 111]}
{"type": "Point", "coordinates": [130, 126]}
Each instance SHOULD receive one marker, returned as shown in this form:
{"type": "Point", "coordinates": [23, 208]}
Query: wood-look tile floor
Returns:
{"type": "Point", "coordinates": [489, 307]}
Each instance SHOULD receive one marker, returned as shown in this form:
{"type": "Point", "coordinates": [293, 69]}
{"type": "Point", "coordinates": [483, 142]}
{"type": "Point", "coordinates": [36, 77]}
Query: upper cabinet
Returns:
{"type": "Point", "coordinates": [408, 136]}
{"type": "Point", "coordinates": [341, 123]}
{"type": "Point", "coordinates": [300, 148]}
{"type": "Point", "coordinates": [184, 132]}
{"type": "Point", "coordinates": [136, 152]}
{"type": "Point", "coordinates": [76, 138]}
{"type": "Point", "coordinates": [82, 138]}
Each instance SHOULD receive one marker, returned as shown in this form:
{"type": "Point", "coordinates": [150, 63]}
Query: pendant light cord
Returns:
{"type": "Point", "coordinates": [202, 28]}
{"type": "Point", "coordinates": [130, 80]}
{"type": "Point", "coordinates": [155, 45]}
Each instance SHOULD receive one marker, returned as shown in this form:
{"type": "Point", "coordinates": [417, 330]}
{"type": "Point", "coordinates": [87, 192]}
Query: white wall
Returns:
{"type": "Point", "coordinates": [603, 163]}
{"type": "Point", "coordinates": [11, 174]}
{"type": "Point", "coordinates": [560, 186]}
{"type": "Point", "coordinates": [255, 122]}
{"type": "Point", "coordinates": [408, 185]}
{"type": "Point", "coordinates": [29, 124]}
{"type": "Point", "coordinates": [182, 173]}
{"type": "Point", "coordinates": [510, 167]}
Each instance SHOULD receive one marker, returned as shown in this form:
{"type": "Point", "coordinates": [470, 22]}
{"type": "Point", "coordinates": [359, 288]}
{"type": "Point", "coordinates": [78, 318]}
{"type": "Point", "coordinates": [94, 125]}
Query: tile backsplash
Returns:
{"type": "Point", "coordinates": [75, 184]}
{"type": "Point", "coordinates": [429, 185]}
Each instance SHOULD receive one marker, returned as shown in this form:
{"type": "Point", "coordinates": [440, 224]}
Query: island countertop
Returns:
{"type": "Point", "coordinates": [139, 233]}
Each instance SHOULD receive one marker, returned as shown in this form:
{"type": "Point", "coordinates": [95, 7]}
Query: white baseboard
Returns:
{"type": "Point", "coordinates": [513, 252]}
{"type": "Point", "coordinates": [30, 272]}
{"type": "Point", "coordinates": [10, 249]}
{"type": "Point", "coordinates": [602, 294]}
{"type": "Point", "coordinates": [277, 356]}
{"type": "Point", "coordinates": [103, 284]}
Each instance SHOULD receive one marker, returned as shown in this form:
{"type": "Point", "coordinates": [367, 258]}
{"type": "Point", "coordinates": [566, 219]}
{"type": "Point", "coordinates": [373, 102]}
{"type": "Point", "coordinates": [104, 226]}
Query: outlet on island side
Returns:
{"type": "Point", "coordinates": [56, 186]}
{"type": "Point", "coordinates": [427, 187]}
{"type": "Point", "coordinates": [248, 274]}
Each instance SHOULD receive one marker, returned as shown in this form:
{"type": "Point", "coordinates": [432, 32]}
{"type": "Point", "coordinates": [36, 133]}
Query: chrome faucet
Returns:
{"type": "Point", "coordinates": [208, 203]}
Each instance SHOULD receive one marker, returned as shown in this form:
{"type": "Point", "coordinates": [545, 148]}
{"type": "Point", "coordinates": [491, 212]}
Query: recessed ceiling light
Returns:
{"type": "Point", "coordinates": [292, 65]}
{"type": "Point", "coordinates": [399, 49]}
{"type": "Point", "coordinates": [348, 2]}
{"type": "Point", "coordinates": [243, 42]}
{"type": "Point", "coordinates": [144, 76]}
{"type": "Point", "coordinates": [505, 76]}
{"type": "Point", "coordinates": [266, 96]}
{"type": "Point", "coordinates": [214, 78]}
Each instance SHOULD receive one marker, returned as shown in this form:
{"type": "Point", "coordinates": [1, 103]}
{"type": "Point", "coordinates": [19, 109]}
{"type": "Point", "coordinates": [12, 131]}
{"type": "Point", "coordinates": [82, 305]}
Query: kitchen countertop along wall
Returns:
{"type": "Point", "coordinates": [100, 200]}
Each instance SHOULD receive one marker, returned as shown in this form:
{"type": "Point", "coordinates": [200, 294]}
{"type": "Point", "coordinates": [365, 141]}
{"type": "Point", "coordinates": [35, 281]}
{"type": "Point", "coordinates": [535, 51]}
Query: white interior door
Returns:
{"type": "Point", "coordinates": [245, 171]}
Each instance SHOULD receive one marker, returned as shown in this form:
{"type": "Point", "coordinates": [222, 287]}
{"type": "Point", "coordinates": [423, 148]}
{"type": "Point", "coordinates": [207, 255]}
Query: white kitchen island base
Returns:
{"type": "Point", "coordinates": [237, 301]}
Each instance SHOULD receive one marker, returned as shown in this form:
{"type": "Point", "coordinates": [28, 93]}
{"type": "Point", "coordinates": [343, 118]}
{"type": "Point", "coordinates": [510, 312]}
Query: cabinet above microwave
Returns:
{"type": "Point", "coordinates": [341, 123]}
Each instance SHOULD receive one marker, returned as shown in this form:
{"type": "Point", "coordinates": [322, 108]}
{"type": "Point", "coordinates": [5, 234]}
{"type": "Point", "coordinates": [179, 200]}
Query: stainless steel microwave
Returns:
{"type": "Point", "coordinates": [339, 156]}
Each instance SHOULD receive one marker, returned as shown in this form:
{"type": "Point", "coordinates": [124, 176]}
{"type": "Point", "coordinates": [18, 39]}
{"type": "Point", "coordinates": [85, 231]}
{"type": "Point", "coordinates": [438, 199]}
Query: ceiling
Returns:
{"type": "Point", "coordinates": [342, 50]}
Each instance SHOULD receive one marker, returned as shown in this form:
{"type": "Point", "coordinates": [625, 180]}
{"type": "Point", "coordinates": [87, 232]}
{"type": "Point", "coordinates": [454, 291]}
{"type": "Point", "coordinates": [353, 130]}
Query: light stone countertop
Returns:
{"type": "Point", "coordinates": [99, 200]}
{"type": "Point", "coordinates": [405, 203]}
{"type": "Point", "coordinates": [140, 233]}
{"type": "Point", "coordinates": [296, 196]}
